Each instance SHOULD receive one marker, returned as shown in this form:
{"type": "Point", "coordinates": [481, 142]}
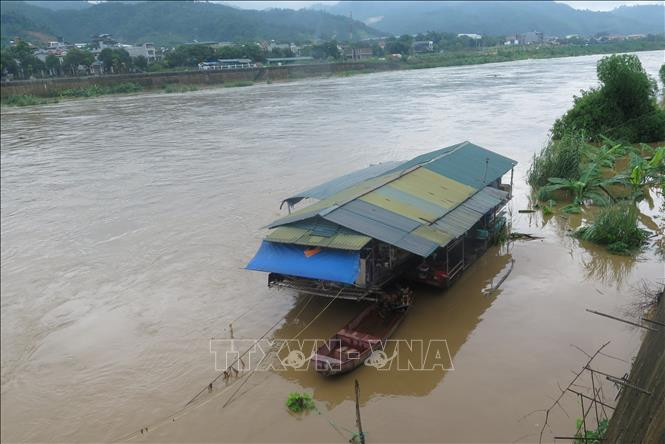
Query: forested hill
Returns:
{"type": "Point", "coordinates": [169, 23]}
{"type": "Point", "coordinates": [501, 18]}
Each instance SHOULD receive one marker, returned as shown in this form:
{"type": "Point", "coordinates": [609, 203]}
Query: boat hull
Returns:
{"type": "Point", "coordinates": [354, 343]}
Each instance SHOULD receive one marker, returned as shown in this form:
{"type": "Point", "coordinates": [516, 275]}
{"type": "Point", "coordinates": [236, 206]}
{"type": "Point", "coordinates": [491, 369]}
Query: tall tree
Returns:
{"type": "Point", "coordinates": [52, 63]}
{"type": "Point", "coordinates": [77, 57]}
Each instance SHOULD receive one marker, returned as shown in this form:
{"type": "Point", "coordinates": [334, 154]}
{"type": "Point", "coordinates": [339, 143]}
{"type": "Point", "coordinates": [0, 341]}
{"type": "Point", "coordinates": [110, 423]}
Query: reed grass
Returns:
{"type": "Point", "coordinates": [560, 158]}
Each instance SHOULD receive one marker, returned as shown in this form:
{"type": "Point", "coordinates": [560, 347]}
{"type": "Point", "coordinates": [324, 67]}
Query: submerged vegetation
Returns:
{"type": "Point", "coordinates": [300, 402]}
{"type": "Point", "coordinates": [560, 158]}
{"type": "Point", "coordinates": [615, 227]}
{"type": "Point", "coordinates": [583, 166]}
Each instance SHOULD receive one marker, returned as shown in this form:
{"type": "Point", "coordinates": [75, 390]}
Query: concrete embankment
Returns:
{"type": "Point", "coordinates": [640, 417]}
{"type": "Point", "coordinates": [51, 87]}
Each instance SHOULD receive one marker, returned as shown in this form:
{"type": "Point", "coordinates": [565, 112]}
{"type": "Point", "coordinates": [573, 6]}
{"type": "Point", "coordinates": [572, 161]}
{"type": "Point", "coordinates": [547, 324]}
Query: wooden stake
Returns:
{"type": "Point", "coordinates": [361, 435]}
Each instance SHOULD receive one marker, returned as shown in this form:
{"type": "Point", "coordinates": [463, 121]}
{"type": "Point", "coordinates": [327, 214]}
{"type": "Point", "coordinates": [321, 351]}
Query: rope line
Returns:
{"type": "Point", "coordinates": [245, 376]}
{"type": "Point", "coordinates": [317, 316]}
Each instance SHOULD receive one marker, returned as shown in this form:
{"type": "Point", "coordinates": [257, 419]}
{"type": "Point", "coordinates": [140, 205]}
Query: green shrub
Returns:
{"type": "Point", "coordinates": [560, 158]}
{"type": "Point", "coordinates": [99, 90]}
{"type": "Point", "coordinates": [23, 100]}
{"type": "Point", "coordinates": [124, 88]}
{"type": "Point", "coordinates": [592, 436]}
{"type": "Point", "coordinates": [615, 227]}
{"type": "Point", "coordinates": [300, 402]}
{"type": "Point", "coordinates": [623, 107]}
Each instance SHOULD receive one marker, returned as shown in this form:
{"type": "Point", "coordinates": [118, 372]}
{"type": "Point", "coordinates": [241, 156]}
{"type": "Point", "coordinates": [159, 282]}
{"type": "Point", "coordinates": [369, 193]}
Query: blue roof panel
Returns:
{"type": "Point", "coordinates": [327, 264]}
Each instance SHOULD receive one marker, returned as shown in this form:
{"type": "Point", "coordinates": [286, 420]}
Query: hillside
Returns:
{"type": "Point", "coordinates": [501, 18]}
{"type": "Point", "coordinates": [168, 23]}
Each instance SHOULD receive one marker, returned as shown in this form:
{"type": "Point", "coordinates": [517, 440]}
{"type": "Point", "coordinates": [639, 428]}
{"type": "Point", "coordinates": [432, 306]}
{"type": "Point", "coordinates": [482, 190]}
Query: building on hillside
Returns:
{"type": "Point", "coordinates": [101, 41]}
{"type": "Point", "coordinates": [471, 36]}
{"type": "Point", "coordinates": [357, 53]}
{"type": "Point", "coordinates": [531, 38]}
{"type": "Point", "coordinates": [512, 40]}
{"type": "Point", "coordinates": [528, 38]}
{"type": "Point", "coordinates": [146, 50]}
{"type": "Point", "coordinates": [222, 44]}
{"type": "Point", "coordinates": [422, 46]}
{"type": "Point", "coordinates": [636, 36]}
{"type": "Point", "coordinates": [56, 45]}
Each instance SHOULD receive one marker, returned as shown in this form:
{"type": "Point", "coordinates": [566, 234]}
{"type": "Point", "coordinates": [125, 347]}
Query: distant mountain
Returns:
{"type": "Point", "coordinates": [59, 5]}
{"type": "Point", "coordinates": [168, 23]}
{"type": "Point", "coordinates": [500, 18]}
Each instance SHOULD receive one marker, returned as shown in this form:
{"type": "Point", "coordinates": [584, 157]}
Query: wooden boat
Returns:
{"type": "Point", "coordinates": [354, 343]}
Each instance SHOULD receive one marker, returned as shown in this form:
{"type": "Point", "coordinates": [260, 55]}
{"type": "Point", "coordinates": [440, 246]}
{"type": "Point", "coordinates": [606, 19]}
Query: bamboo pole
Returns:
{"type": "Point", "coordinates": [621, 320]}
{"type": "Point", "coordinates": [361, 435]}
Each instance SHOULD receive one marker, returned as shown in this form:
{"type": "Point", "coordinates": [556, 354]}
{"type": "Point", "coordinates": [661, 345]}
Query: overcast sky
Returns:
{"type": "Point", "coordinates": [593, 5]}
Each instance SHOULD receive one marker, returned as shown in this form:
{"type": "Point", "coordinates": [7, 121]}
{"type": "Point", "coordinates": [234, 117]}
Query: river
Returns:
{"type": "Point", "coordinates": [126, 222]}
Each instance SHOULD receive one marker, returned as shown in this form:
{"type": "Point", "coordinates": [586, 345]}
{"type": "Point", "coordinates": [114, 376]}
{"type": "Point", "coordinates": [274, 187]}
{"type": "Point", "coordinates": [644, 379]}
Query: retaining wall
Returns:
{"type": "Point", "coordinates": [52, 86]}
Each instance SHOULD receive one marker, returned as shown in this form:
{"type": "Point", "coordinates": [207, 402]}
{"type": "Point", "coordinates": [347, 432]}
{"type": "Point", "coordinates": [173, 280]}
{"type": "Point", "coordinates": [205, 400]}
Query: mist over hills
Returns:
{"type": "Point", "coordinates": [171, 23]}
{"type": "Point", "coordinates": [168, 23]}
{"type": "Point", "coordinates": [500, 18]}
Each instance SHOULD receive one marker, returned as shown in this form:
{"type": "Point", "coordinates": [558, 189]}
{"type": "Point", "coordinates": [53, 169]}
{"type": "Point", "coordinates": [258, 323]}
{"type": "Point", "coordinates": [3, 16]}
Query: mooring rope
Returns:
{"type": "Point", "coordinates": [317, 316]}
{"type": "Point", "coordinates": [293, 338]}
{"type": "Point", "coordinates": [246, 376]}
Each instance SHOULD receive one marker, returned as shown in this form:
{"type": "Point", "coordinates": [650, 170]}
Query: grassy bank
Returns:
{"type": "Point", "coordinates": [456, 58]}
{"type": "Point", "coordinates": [73, 93]}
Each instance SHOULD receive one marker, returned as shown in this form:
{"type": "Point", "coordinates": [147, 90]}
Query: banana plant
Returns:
{"type": "Point", "coordinates": [590, 187]}
{"type": "Point", "coordinates": [607, 154]}
{"type": "Point", "coordinates": [643, 173]}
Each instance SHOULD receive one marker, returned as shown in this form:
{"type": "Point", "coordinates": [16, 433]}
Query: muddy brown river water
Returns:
{"type": "Point", "coordinates": [126, 222]}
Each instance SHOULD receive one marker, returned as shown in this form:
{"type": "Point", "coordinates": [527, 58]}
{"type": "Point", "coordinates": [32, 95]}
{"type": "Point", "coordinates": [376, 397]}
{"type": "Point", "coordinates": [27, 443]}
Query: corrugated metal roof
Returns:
{"type": "Point", "coordinates": [340, 198]}
{"type": "Point", "coordinates": [462, 218]}
{"type": "Point", "coordinates": [319, 232]}
{"type": "Point", "coordinates": [336, 185]}
{"type": "Point", "coordinates": [420, 205]}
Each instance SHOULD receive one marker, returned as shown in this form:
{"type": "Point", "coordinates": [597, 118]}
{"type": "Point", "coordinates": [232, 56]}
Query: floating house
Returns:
{"type": "Point", "coordinates": [426, 219]}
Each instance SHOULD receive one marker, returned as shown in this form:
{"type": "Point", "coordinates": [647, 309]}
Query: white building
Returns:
{"type": "Point", "coordinates": [146, 50]}
{"type": "Point", "coordinates": [471, 36]}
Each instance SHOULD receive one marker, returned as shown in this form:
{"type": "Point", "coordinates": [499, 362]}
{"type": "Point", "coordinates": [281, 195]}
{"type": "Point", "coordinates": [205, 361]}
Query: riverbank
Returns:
{"type": "Point", "coordinates": [640, 417]}
{"type": "Point", "coordinates": [44, 91]}
{"type": "Point", "coordinates": [135, 218]}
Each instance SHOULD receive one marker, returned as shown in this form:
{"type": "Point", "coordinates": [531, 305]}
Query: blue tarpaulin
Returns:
{"type": "Point", "coordinates": [327, 264]}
